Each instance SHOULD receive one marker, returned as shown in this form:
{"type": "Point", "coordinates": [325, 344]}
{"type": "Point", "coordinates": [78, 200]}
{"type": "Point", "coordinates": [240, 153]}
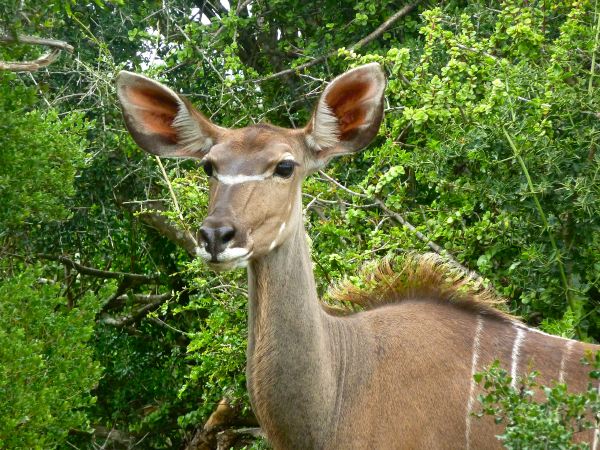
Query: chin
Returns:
{"type": "Point", "coordinates": [225, 266]}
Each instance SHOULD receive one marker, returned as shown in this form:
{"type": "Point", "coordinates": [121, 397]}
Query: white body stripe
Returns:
{"type": "Point", "coordinates": [474, 361]}
{"type": "Point", "coordinates": [543, 333]}
{"type": "Point", "coordinates": [565, 356]}
{"type": "Point", "coordinates": [515, 355]}
{"type": "Point", "coordinates": [596, 431]}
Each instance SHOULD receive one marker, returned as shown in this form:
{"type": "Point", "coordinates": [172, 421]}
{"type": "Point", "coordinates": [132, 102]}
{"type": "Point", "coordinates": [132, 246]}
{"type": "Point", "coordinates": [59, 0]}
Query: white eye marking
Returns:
{"type": "Point", "coordinates": [237, 179]}
{"type": "Point", "coordinates": [288, 157]}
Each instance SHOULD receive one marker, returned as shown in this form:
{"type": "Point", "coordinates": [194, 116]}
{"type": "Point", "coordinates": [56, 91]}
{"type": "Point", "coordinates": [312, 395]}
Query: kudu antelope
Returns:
{"type": "Point", "coordinates": [398, 374]}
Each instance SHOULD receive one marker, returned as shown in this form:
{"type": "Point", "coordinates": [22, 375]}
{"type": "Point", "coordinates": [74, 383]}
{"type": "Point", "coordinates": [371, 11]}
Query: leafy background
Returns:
{"type": "Point", "coordinates": [489, 151]}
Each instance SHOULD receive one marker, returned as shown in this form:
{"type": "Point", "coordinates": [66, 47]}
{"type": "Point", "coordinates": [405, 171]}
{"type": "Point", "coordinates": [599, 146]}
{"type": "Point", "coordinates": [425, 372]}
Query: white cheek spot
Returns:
{"type": "Point", "coordinates": [281, 228]}
{"type": "Point", "coordinates": [274, 243]}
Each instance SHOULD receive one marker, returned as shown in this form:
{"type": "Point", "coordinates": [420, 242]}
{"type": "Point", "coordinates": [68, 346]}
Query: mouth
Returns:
{"type": "Point", "coordinates": [228, 259]}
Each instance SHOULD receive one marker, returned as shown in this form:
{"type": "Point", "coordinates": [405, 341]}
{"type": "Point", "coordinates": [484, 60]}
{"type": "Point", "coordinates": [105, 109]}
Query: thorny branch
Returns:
{"type": "Point", "coordinates": [405, 223]}
{"type": "Point", "coordinates": [407, 9]}
{"type": "Point", "coordinates": [85, 270]}
{"type": "Point", "coordinates": [43, 61]}
{"type": "Point", "coordinates": [117, 300]}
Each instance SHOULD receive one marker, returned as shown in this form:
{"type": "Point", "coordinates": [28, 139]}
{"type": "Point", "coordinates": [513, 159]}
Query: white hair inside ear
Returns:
{"type": "Point", "coordinates": [326, 132]}
{"type": "Point", "coordinates": [190, 134]}
{"type": "Point", "coordinates": [348, 113]}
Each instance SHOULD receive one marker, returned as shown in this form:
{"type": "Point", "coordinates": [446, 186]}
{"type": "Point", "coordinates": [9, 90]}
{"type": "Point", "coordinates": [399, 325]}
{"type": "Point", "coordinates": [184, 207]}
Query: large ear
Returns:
{"type": "Point", "coordinates": [160, 121]}
{"type": "Point", "coordinates": [348, 114]}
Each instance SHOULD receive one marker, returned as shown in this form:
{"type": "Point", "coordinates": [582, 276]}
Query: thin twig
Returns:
{"type": "Point", "coordinates": [561, 268]}
{"type": "Point", "coordinates": [175, 202]}
{"type": "Point", "coordinates": [432, 245]}
{"type": "Point", "coordinates": [341, 186]}
{"type": "Point", "coordinates": [405, 223]}
{"type": "Point", "coordinates": [372, 36]}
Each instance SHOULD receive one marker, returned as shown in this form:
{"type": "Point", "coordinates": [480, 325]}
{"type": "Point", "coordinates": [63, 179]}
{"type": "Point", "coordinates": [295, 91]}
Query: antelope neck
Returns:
{"type": "Point", "coordinates": [289, 371]}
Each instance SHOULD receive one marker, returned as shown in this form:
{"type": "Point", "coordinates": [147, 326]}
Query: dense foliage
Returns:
{"type": "Point", "coordinates": [47, 368]}
{"type": "Point", "coordinates": [534, 424]}
{"type": "Point", "coordinates": [489, 149]}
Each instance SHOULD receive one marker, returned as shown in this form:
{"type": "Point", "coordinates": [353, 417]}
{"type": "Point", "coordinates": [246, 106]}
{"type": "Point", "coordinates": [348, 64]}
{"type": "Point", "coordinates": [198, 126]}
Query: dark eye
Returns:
{"type": "Point", "coordinates": [285, 169]}
{"type": "Point", "coordinates": [208, 168]}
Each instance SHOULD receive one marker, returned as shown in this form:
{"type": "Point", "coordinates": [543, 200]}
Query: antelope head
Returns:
{"type": "Point", "coordinates": [255, 173]}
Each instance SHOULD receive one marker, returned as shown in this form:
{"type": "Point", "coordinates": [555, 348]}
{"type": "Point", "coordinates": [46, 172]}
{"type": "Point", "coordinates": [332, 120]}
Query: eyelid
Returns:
{"type": "Point", "coordinates": [293, 161]}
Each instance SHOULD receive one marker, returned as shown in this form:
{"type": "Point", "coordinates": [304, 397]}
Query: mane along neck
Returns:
{"type": "Point", "coordinates": [420, 277]}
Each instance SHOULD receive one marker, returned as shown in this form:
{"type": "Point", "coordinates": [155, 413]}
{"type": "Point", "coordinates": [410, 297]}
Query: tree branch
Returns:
{"type": "Point", "coordinates": [153, 218]}
{"type": "Point", "coordinates": [33, 40]}
{"type": "Point", "coordinates": [31, 66]}
{"type": "Point", "coordinates": [135, 316]}
{"type": "Point", "coordinates": [407, 9]}
{"type": "Point", "coordinates": [85, 270]}
{"type": "Point", "coordinates": [432, 245]}
{"type": "Point", "coordinates": [141, 299]}
{"type": "Point", "coordinates": [405, 223]}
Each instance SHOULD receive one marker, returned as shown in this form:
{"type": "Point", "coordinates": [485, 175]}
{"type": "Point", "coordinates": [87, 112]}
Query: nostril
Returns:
{"type": "Point", "coordinates": [205, 235]}
{"type": "Point", "coordinates": [227, 234]}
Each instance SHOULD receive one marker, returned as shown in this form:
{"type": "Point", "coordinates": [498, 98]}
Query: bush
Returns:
{"type": "Point", "coordinates": [533, 425]}
{"type": "Point", "coordinates": [40, 155]}
{"type": "Point", "coordinates": [46, 365]}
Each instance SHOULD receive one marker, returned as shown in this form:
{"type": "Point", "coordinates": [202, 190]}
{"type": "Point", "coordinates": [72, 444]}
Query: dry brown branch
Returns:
{"type": "Point", "coordinates": [219, 432]}
{"type": "Point", "coordinates": [407, 9]}
{"type": "Point", "coordinates": [31, 66]}
{"type": "Point", "coordinates": [150, 212]}
{"type": "Point", "coordinates": [33, 40]}
{"type": "Point", "coordinates": [136, 316]}
{"type": "Point", "coordinates": [85, 270]}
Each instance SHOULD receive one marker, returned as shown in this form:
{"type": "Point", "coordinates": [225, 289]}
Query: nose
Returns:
{"type": "Point", "coordinates": [216, 238]}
